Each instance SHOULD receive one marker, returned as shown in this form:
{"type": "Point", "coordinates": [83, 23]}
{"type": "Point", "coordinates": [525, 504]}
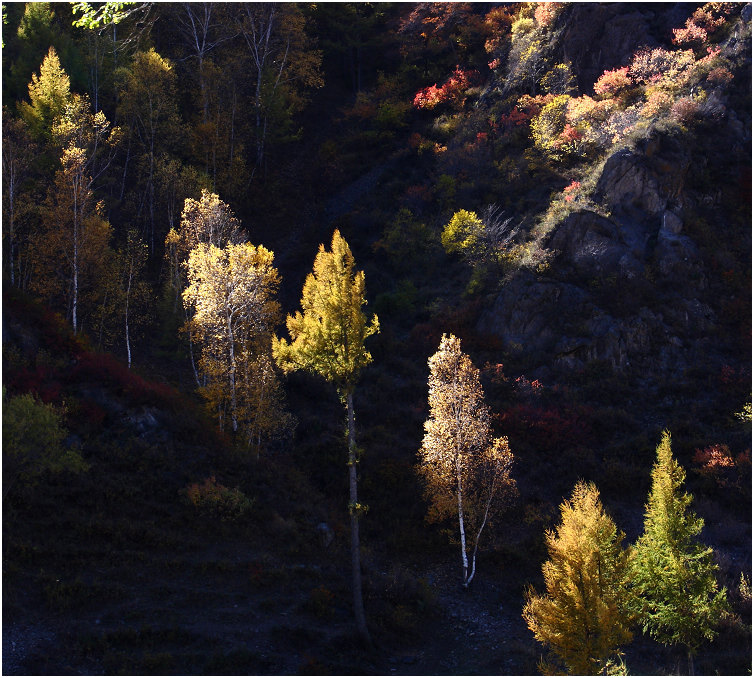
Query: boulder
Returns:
{"type": "Point", "coordinates": [591, 245]}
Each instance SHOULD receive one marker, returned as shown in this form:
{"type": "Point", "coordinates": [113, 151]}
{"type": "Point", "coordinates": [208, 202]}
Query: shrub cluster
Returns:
{"type": "Point", "coordinates": [213, 499]}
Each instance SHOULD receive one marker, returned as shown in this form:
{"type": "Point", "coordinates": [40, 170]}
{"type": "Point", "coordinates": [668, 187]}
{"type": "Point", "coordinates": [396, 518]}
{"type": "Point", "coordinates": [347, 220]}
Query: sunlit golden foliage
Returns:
{"type": "Point", "coordinates": [467, 474]}
{"type": "Point", "coordinates": [582, 616]}
{"type": "Point", "coordinates": [231, 295]}
{"type": "Point", "coordinates": [327, 336]}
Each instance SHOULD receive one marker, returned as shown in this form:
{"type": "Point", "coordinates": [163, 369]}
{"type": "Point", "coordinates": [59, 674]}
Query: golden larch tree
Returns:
{"type": "Point", "coordinates": [327, 338]}
{"type": "Point", "coordinates": [582, 616]}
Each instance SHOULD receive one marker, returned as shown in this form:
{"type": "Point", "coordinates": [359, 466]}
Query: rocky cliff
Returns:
{"type": "Point", "coordinates": [638, 287]}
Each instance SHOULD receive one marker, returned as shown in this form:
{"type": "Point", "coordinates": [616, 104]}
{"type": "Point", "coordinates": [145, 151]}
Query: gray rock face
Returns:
{"type": "Point", "coordinates": [594, 304]}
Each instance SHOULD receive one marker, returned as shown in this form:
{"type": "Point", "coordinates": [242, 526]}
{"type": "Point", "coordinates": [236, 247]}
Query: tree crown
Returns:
{"type": "Point", "coordinates": [327, 336]}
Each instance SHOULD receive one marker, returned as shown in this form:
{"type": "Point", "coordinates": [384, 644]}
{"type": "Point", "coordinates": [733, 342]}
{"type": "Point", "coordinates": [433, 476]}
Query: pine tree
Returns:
{"type": "Point", "coordinates": [677, 598]}
{"type": "Point", "coordinates": [327, 338]}
{"type": "Point", "coordinates": [582, 617]}
{"type": "Point", "coordinates": [466, 473]}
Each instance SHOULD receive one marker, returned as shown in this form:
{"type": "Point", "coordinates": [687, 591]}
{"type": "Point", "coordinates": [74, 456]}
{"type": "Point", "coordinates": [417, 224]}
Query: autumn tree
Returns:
{"type": "Point", "coordinates": [583, 615]}
{"type": "Point", "coordinates": [148, 107]}
{"type": "Point", "coordinates": [208, 220]}
{"type": "Point", "coordinates": [231, 295]}
{"type": "Point", "coordinates": [466, 473]}
{"type": "Point", "coordinates": [480, 240]}
{"type": "Point", "coordinates": [18, 153]}
{"type": "Point", "coordinates": [126, 295]}
{"type": "Point", "coordinates": [49, 93]}
{"type": "Point", "coordinates": [677, 598]}
{"type": "Point", "coordinates": [70, 251]}
{"type": "Point", "coordinates": [284, 65]}
{"type": "Point", "coordinates": [327, 338]}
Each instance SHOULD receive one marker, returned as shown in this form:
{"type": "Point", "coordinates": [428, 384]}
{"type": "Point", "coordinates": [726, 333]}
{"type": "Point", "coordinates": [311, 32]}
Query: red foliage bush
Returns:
{"type": "Point", "coordinates": [719, 76]}
{"type": "Point", "coordinates": [546, 12]}
{"type": "Point", "coordinates": [717, 463]}
{"type": "Point", "coordinates": [548, 428]}
{"type": "Point", "coordinates": [701, 23]}
{"type": "Point", "coordinates": [105, 368]}
{"type": "Point", "coordinates": [452, 90]}
{"type": "Point", "coordinates": [41, 381]}
{"type": "Point", "coordinates": [612, 82]}
{"type": "Point", "coordinates": [212, 498]}
{"type": "Point", "coordinates": [684, 110]}
{"type": "Point", "coordinates": [569, 192]}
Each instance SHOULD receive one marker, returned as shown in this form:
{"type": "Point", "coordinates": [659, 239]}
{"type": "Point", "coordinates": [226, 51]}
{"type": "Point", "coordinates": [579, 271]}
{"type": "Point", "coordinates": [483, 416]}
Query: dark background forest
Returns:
{"type": "Point", "coordinates": [565, 187]}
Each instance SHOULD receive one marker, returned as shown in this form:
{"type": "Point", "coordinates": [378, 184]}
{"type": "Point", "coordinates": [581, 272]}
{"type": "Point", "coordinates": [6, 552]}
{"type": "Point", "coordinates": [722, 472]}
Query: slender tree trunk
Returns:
{"type": "Point", "coordinates": [358, 601]}
{"type": "Point", "coordinates": [75, 255]}
{"type": "Point", "coordinates": [128, 295]}
{"type": "Point", "coordinates": [461, 526]}
{"type": "Point", "coordinates": [233, 416]}
{"type": "Point", "coordinates": [125, 165]}
{"type": "Point", "coordinates": [691, 663]}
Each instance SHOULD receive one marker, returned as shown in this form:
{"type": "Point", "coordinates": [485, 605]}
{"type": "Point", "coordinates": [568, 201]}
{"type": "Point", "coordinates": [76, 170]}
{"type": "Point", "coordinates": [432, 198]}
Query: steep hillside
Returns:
{"type": "Point", "coordinates": [565, 187]}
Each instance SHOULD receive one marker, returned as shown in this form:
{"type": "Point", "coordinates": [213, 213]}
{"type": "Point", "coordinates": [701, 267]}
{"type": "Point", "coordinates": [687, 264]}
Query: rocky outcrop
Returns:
{"type": "Point", "coordinates": [602, 36]}
{"type": "Point", "coordinates": [624, 289]}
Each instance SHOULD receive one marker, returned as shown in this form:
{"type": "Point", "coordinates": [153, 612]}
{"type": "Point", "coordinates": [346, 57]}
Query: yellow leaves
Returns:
{"type": "Point", "coordinates": [581, 616]}
{"type": "Point", "coordinates": [231, 293]}
{"type": "Point", "coordinates": [49, 92]}
{"type": "Point", "coordinates": [327, 336]}
{"type": "Point", "coordinates": [462, 232]}
{"type": "Point", "coordinates": [457, 452]}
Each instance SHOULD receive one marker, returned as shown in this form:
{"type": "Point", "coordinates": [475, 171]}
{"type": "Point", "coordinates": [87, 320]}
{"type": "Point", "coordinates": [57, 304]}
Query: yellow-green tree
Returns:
{"type": "Point", "coordinates": [49, 93]}
{"type": "Point", "coordinates": [677, 597]}
{"type": "Point", "coordinates": [582, 616]}
{"type": "Point", "coordinates": [327, 338]}
{"type": "Point", "coordinates": [33, 435]}
{"type": "Point", "coordinates": [467, 474]}
{"type": "Point", "coordinates": [231, 294]}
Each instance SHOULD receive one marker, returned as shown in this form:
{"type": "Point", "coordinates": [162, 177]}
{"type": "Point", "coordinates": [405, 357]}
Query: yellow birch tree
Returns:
{"type": "Point", "coordinates": [466, 473]}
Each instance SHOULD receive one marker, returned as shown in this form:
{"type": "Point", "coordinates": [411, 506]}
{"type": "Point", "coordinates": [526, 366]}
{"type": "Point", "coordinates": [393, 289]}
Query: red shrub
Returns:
{"type": "Point", "coordinates": [612, 82]}
{"type": "Point", "coordinates": [684, 110]}
{"type": "Point", "coordinates": [719, 76]}
{"type": "Point", "coordinates": [569, 192]}
{"type": "Point", "coordinates": [717, 463]}
{"type": "Point", "coordinates": [452, 91]}
{"type": "Point", "coordinates": [548, 428]}
{"type": "Point", "coordinates": [546, 12]}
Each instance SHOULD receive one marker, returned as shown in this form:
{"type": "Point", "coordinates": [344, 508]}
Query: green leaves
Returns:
{"type": "Point", "coordinates": [33, 441]}
{"type": "Point", "coordinates": [673, 575]}
{"type": "Point", "coordinates": [107, 13]}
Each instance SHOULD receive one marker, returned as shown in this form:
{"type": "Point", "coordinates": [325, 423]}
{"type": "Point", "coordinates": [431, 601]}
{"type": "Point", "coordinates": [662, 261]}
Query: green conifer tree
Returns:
{"type": "Point", "coordinates": [582, 617]}
{"type": "Point", "coordinates": [677, 597]}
